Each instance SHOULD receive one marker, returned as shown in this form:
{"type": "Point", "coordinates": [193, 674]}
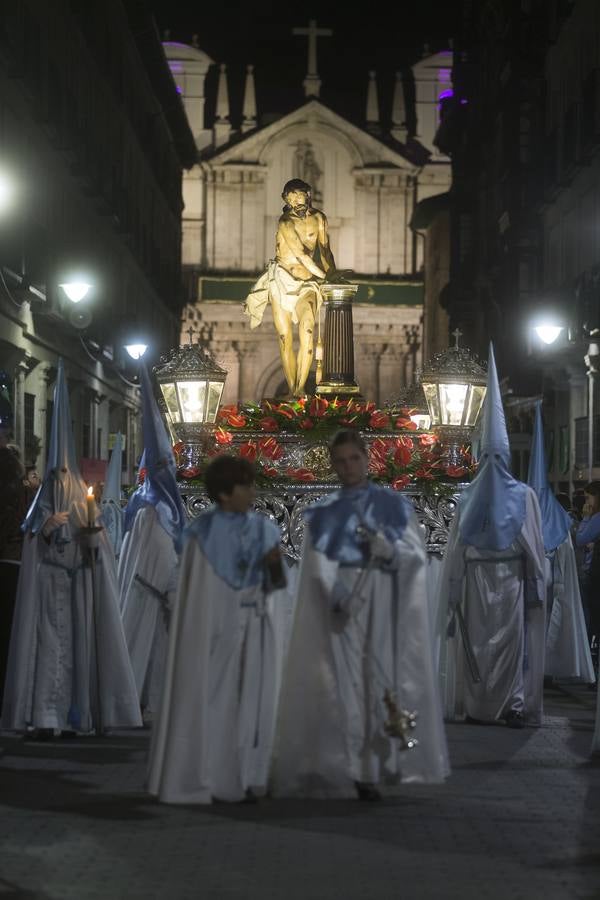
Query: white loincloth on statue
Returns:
{"type": "Point", "coordinates": [278, 283]}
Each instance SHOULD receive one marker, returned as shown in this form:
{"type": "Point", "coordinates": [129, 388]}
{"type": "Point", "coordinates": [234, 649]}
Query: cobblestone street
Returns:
{"type": "Point", "coordinates": [519, 818]}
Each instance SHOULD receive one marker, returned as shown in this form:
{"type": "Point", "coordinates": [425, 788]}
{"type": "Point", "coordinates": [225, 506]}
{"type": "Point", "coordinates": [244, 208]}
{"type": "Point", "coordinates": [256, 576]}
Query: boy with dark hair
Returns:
{"type": "Point", "coordinates": [214, 729]}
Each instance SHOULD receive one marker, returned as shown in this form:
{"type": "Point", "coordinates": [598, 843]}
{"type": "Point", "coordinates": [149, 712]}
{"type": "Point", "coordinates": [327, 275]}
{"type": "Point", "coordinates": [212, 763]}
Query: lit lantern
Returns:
{"type": "Point", "coordinates": [191, 384]}
{"type": "Point", "coordinates": [414, 399]}
{"type": "Point", "coordinates": [454, 385]}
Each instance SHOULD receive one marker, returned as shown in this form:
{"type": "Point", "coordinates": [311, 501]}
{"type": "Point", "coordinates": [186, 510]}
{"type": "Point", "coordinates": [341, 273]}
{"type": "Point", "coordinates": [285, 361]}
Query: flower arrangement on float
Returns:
{"type": "Point", "coordinates": [399, 455]}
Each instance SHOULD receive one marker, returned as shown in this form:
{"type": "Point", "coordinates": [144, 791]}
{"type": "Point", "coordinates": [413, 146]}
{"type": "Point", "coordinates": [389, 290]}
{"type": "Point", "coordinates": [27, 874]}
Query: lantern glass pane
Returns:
{"type": "Point", "coordinates": [452, 402]}
{"type": "Point", "coordinates": [431, 395]}
{"type": "Point", "coordinates": [422, 421]}
{"type": "Point", "coordinates": [192, 395]}
{"type": "Point", "coordinates": [474, 403]}
{"type": "Point", "coordinates": [170, 396]}
{"type": "Point", "coordinates": [215, 389]}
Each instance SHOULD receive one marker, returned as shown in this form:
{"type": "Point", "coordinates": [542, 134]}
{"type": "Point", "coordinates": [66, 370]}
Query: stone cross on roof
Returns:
{"type": "Point", "coordinates": [312, 82]}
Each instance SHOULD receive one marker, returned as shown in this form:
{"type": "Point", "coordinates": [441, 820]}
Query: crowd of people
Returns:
{"type": "Point", "coordinates": [332, 678]}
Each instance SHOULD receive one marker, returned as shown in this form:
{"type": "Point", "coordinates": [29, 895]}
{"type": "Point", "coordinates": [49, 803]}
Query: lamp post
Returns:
{"type": "Point", "coordinates": [191, 385]}
{"type": "Point", "coordinates": [549, 330]}
{"type": "Point", "coordinates": [454, 385]}
{"type": "Point", "coordinates": [76, 289]}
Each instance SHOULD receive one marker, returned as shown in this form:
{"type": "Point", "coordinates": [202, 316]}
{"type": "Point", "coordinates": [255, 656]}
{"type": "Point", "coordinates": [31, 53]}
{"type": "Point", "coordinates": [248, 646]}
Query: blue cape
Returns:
{"type": "Point", "coordinates": [63, 485]}
{"type": "Point", "coordinates": [235, 544]}
{"type": "Point", "coordinates": [334, 520]}
{"type": "Point", "coordinates": [492, 509]}
{"type": "Point", "coordinates": [160, 484]}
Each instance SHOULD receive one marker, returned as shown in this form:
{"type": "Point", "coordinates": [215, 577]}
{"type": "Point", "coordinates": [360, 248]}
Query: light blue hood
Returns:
{"type": "Point", "coordinates": [63, 485]}
{"type": "Point", "coordinates": [160, 484]}
{"type": "Point", "coordinates": [112, 511]}
{"type": "Point", "coordinates": [556, 522]}
{"type": "Point", "coordinates": [492, 509]}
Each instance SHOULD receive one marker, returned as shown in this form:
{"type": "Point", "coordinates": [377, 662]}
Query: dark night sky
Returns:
{"type": "Point", "coordinates": [382, 36]}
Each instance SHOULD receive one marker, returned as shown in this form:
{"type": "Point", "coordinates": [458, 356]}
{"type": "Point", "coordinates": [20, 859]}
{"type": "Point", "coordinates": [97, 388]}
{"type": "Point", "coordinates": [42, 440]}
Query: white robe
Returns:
{"type": "Point", "coordinates": [147, 552]}
{"type": "Point", "coordinates": [330, 723]}
{"type": "Point", "coordinates": [567, 646]}
{"type": "Point", "coordinates": [213, 733]}
{"type": "Point", "coordinates": [51, 677]}
{"type": "Point", "coordinates": [502, 594]}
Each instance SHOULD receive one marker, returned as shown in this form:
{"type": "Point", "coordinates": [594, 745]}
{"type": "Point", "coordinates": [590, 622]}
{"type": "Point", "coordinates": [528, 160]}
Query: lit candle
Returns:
{"type": "Point", "coordinates": [91, 507]}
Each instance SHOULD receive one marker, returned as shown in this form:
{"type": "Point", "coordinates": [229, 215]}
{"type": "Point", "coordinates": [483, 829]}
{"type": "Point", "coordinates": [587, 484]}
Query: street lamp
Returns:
{"type": "Point", "coordinates": [454, 385]}
{"type": "Point", "coordinates": [548, 333]}
{"type": "Point", "coordinates": [191, 384]}
{"type": "Point", "coordinates": [76, 289]}
{"type": "Point", "coordinates": [136, 351]}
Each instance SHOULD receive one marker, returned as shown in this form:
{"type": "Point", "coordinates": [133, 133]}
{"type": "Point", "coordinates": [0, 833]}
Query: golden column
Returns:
{"type": "Point", "coordinates": [338, 344]}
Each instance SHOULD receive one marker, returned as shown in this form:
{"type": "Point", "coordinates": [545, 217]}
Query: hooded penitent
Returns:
{"type": "Point", "coordinates": [63, 488]}
{"type": "Point", "coordinates": [112, 513]}
{"type": "Point", "coordinates": [160, 485]}
{"type": "Point", "coordinates": [556, 522]}
{"type": "Point", "coordinates": [493, 507]}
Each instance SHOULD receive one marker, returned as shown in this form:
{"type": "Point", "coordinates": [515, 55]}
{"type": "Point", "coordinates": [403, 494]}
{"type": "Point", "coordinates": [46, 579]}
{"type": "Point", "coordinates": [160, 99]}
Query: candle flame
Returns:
{"type": "Point", "coordinates": [90, 492]}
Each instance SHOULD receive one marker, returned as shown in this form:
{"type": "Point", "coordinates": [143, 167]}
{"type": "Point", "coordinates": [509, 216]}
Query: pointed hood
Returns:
{"type": "Point", "coordinates": [556, 522]}
{"type": "Point", "coordinates": [160, 485]}
{"type": "Point", "coordinates": [112, 512]}
{"type": "Point", "coordinates": [63, 488]}
{"type": "Point", "coordinates": [492, 508]}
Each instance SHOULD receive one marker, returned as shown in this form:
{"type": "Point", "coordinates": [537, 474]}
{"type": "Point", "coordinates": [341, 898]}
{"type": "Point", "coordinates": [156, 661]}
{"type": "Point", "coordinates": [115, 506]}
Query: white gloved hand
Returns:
{"type": "Point", "coordinates": [380, 547]}
{"type": "Point", "coordinates": [53, 522]}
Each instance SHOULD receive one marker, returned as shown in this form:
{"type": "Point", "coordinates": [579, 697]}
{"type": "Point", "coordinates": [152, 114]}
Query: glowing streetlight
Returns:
{"type": "Point", "coordinates": [76, 290]}
{"type": "Point", "coordinates": [548, 332]}
{"type": "Point", "coordinates": [136, 351]}
{"type": "Point", "coordinates": [8, 191]}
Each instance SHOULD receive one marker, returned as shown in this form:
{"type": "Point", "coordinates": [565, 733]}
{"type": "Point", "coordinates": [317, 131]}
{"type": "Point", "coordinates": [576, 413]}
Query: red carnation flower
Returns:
{"type": "Point", "coordinates": [270, 448]}
{"type": "Point", "coordinates": [248, 451]}
{"type": "Point", "coordinates": [405, 423]}
{"type": "Point", "coordinates": [402, 456]}
{"type": "Point", "coordinates": [455, 471]}
{"type": "Point", "coordinates": [190, 472]}
{"type": "Point", "coordinates": [268, 423]}
{"type": "Point", "coordinates": [379, 420]}
{"type": "Point", "coordinates": [318, 407]}
{"type": "Point", "coordinates": [427, 440]}
{"type": "Point", "coordinates": [223, 437]}
{"type": "Point", "coordinates": [424, 473]}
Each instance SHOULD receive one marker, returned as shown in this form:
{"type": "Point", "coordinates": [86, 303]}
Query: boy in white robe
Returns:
{"type": "Point", "coordinates": [567, 647]}
{"type": "Point", "coordinates": [493, 588]}
{"type": "Point", "coordinates": [68, 666]}
{"type": "Point", "coordinates": [213, 734]}
{"type": "Point", "coordinates": [362, 632]}
{"type": "Point", "coordinates": [154, 520]}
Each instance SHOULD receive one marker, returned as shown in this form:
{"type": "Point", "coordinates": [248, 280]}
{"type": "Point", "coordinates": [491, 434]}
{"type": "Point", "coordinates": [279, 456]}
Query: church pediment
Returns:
{"type": "Point", "coordinates": [312, 120]}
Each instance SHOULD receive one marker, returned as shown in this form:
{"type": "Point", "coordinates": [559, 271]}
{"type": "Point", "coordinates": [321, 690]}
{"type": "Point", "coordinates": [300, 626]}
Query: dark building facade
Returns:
{"type": "Point", "coordinates": [525, 208]}
{"type": "Point", "coordinates": [94, 138]}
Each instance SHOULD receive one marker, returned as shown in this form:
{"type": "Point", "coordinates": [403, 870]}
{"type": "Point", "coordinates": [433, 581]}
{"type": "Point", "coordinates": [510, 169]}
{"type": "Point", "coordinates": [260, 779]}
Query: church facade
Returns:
{"type": "Point", "coordinates": [367, 183]}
